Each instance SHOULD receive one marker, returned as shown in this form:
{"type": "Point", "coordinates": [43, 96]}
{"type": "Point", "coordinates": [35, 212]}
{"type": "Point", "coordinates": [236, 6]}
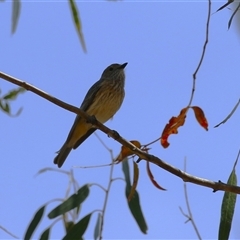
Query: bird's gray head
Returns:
{"type": "Point", "coordinates": [114, 71]}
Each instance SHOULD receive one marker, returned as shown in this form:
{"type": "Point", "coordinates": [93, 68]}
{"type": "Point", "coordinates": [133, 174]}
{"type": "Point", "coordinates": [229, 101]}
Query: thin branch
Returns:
{"type": "Point", "coordinates": [9, 233]}
{"type": "Point", "coordinates": [216, 186]}
{"type": "Point", "coordinates": [185, 215]}
{"type": "Point", "coordinates": [95, 166]}
{"type": "Point", "coordinates": [230, 114]}
{"type": "Point", "coordinates": [100, 186]}
{"type": "Point", "coordinates": [107, 195]}
{"type": "Point", "coordinates": [118, 178]}
{"type": "Point", "coordinates": [189, 215]}
{"type": "Point", "coordinates": [43, 170]}
{"type": "Point", "coordinates": [156, 140]}
{"type": "Point", "coordinates": [102, 142]}
{"type": "Point", "coordinates": [203, 52]}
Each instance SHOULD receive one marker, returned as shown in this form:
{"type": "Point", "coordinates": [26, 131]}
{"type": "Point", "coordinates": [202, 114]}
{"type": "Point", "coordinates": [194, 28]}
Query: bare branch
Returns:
{"type": "Point", "coordinates": [216, 186]}
{"type": "Point", "coordinates": [107, 190]}
{"type": "Point", "coordinates": [11, 234]}
{"type": "Point", "coordinates": [203, 52]}
{"type": "Point", "coordinates": [189, 216]}
{"type": "Point", "coordinates": [230, 114]}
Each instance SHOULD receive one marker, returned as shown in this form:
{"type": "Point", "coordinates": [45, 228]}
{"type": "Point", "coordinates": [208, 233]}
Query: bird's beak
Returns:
{"type": "Point", "coordinates": [123, 65]}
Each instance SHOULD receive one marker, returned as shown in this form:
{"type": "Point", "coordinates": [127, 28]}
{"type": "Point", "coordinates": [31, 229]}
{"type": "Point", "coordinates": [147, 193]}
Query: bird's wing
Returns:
{"type": "Point", "coordinates": [84, 137]}
{"type": "Point", "coordinates": [89, 98]}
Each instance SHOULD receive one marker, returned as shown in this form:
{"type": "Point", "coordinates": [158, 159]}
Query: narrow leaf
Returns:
{"type": "Point", "coordinates": [125, 151]}
{"type": "Point", "coordinates": [230, 114]}
{"type": "Point", "coordinates": [125, 168]}
{"type": "Point", "coordinates": [228, 207]}
{"type": "Point", "coordinates": [78, 24]}
{"type": "Point", "coordinates": [134, 204]}
{"type": "Point", "coordinates": [72, 202]}
{"type": "Point", "coordinates": [225, 5]}
{"type": "Point", "coordinates": [5, 107]}
{"type": "Point", "coordinates": [97, 227]}
{"type": "Point", "coordinates": [15, 14]}
{"type": "Point", "coordinates": [172, 127]}
{"type": "Point", "coordinates": [34, 223]}
{"type": "Point", "coordinates": [45, 234]}
{"type": "Point", "coordinates": [152, 178]}
{"type": "Point", "coordinates": [13, 94]}
{"type": "Point", "coordinates": [135, 180]}
{"type": "Point", "coordinates": [231, 18]}
{"type": "Point", "coordinates": [78, 229]}
{"type": "Point", "coordinates": [200, 116]}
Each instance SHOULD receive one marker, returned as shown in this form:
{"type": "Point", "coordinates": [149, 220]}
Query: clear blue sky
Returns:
{"type": "Point", "coordinates": [162, 43]}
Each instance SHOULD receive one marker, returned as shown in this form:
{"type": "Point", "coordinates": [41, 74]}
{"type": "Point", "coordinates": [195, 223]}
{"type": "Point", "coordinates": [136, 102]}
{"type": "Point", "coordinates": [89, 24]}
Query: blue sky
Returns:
{"type": "Point", "coordinates": [162, 43]}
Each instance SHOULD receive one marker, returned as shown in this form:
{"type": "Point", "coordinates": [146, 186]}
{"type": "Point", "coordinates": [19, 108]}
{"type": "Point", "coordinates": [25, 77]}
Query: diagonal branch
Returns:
{"type": "Point", "coordinates": [216, 186]}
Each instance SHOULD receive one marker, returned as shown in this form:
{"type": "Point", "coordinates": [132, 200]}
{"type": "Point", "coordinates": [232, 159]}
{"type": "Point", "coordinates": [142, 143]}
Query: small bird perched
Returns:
{"type": "Point", "coordinates": [102, 100]}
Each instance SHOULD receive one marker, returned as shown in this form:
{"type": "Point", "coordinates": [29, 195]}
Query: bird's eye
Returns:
{"type": "Point", "coordinates": [111, 68]}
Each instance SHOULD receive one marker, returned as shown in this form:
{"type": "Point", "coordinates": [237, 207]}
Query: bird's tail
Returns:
{"type": "Point", "coordinates": [62, 155]}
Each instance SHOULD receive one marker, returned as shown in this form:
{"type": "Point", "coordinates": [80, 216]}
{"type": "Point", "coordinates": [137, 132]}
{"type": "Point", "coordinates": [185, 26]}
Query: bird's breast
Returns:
{"type": "Point", "coordinates": [106, 103]}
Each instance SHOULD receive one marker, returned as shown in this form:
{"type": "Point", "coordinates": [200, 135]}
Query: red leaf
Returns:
{"type": "Point", "coordinates": [152, 178]}
{"type": "Point", "coordinates": [125, 151]}
{"type": "Point", "coordinates": [172, 127]}
{"type": "Point", "coordinates": [199, 114]}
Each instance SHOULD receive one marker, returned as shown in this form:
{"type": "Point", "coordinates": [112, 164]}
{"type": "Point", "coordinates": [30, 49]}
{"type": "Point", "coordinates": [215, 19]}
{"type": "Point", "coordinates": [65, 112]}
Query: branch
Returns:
{"type": "Point", "coordinates": [189, 216]}
{"type": "Point", "coordinates": [203, 52]}
{"type": "Point", "coordinates": [216, 186]}
{"type": "Point", "coordinates": [230, 114]}
{"type": "Point", "coordinates": [11, 234]}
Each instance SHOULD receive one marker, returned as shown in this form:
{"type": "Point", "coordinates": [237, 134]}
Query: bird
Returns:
{"type": "Point", "coordinates": [102, 101]}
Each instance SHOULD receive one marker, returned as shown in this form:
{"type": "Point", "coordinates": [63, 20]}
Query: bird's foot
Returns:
{"type": "Point", "coordinates": [115, 134]}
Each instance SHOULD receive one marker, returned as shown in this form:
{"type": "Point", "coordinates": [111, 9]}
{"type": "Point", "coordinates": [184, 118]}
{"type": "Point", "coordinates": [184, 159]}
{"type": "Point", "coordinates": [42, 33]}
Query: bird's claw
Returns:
{"type": "Point", "coordinates": [115, 134]}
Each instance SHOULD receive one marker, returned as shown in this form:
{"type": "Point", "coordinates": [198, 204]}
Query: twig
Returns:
{"type": "Point", "coordinates": [50, 169]}
{"type": "Point", "coordinates": [189, 216]}
{"type": "Point", "coordinates": [107, 194]}
{"type": "Point", "coordinates": [203, 52]}
{"type": "Point", "coordinates": [102, 142]}
{"type": "Point", "coordinates": [11, 234]}
{"type": "Point", "coordinates": [95, 166]}
{"type": "Point", "coordinates": [156, 140]}
{"type": "Point", "coordinates": [100, 186]}
{"type": "Point", "coordinates": [231, 113]}
{"type": "Point", "coordinates": [118, 178]}
{"type": "Point", "coordinates": [216, 186]}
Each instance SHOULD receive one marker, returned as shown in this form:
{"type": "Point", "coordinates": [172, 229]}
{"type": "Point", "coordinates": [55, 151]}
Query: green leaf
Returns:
{"type": "Point", "coordinates": [13, 94]}
{"type": "Point", "coordinates": [78, 24]}
{"type": "Point", "coordinates": [134, 204]}
{"type": "Point", "coordinates": [34, 223]}
{"type": "Point", "coordinates": [227, 209]}
{"type": "Point", "coordinates": [125, 168]}
{"type": "Point", "coordinates": [78, 229]}
{"type": "Point", "coordinates": [5, 107]}
{"type": "Point", "coordinates": [97, 227]}
{"type": "Point", "coordinates": [15, 14]}
{"type": "Point", "coordinates": [135, 181]}
{"type": "Point", "coordinates": [72, 202]}
{"type": "Point", "coordinates": [45, 234]}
